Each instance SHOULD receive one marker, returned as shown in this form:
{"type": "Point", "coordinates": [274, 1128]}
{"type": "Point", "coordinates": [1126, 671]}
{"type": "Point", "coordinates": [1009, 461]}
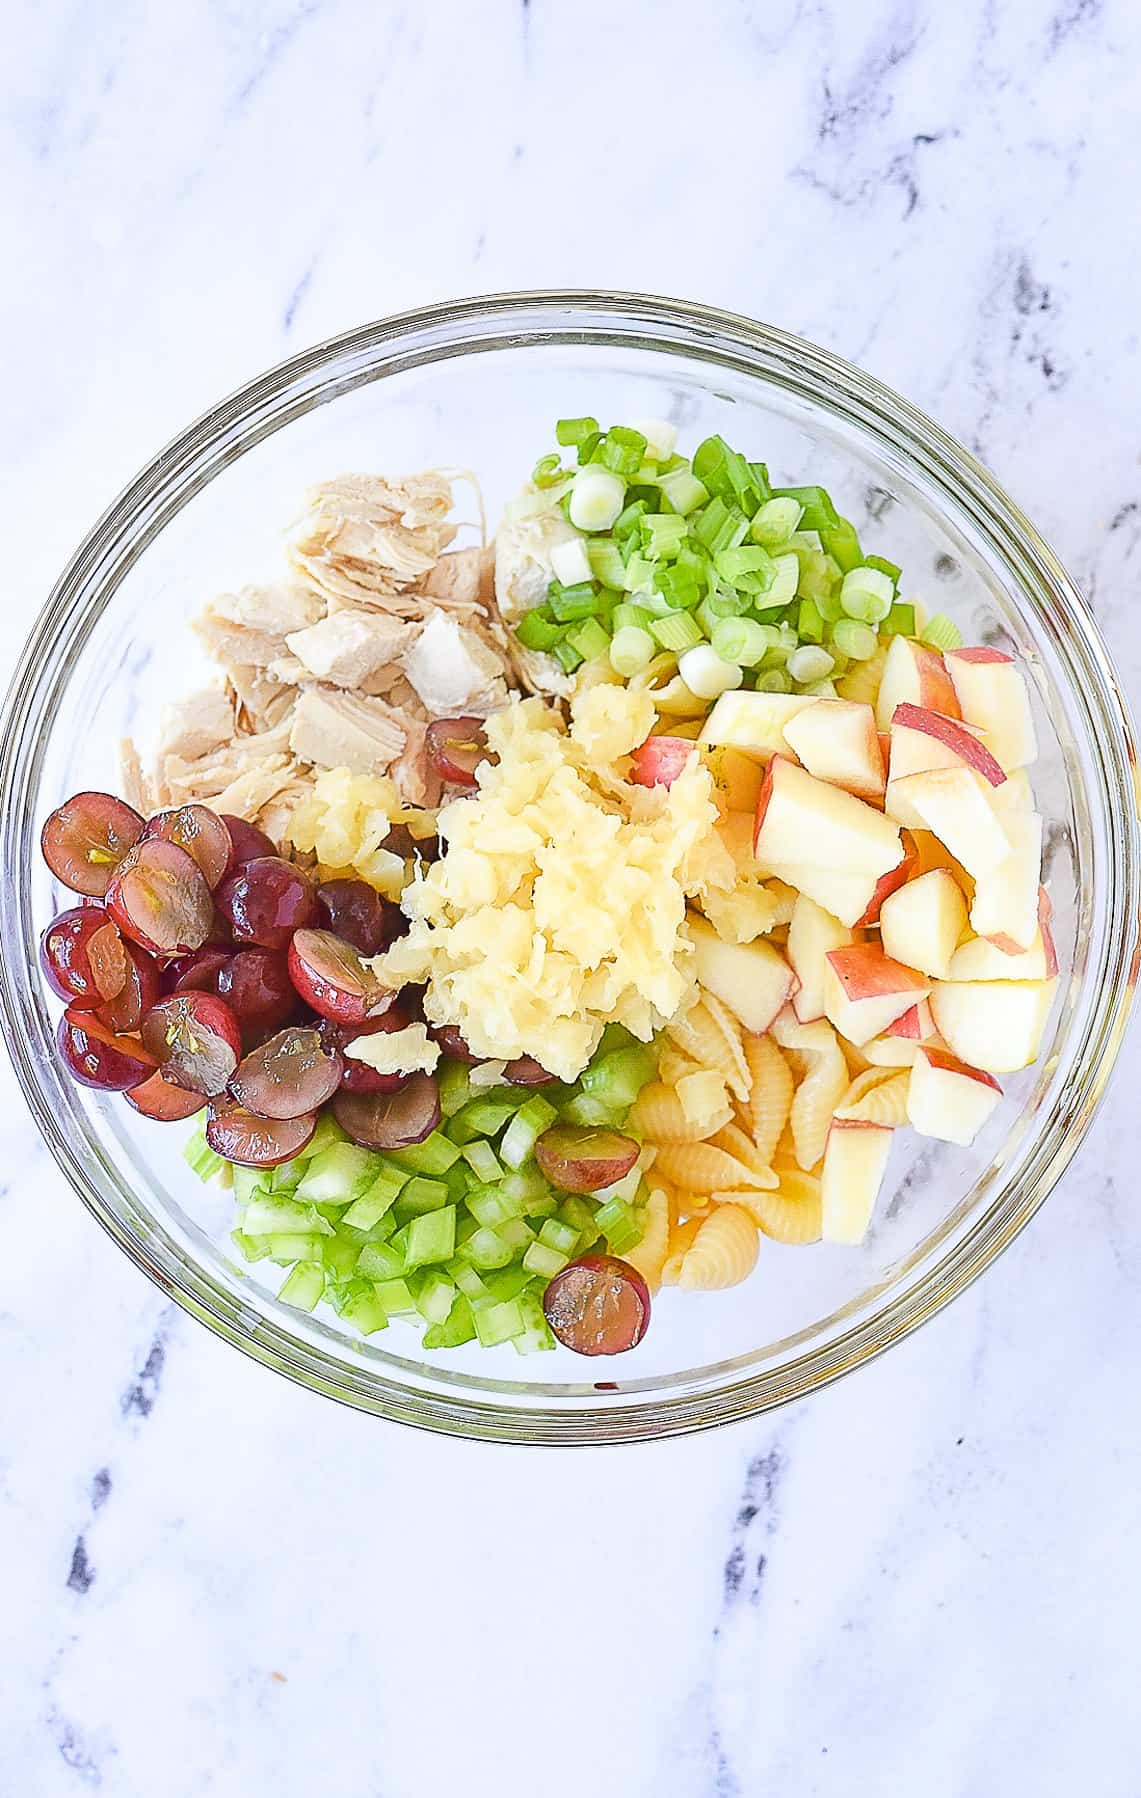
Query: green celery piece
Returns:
{"type": "Point", "coordinates": [340, 1257]}
{"type": "Point", "coordinates": [420, 1195]}
{"type": "Point", "coordinates": [546, 1263]}
{"type": "Point", "coordinates": [505, 1283]}
{"type": "Point", "coordinates": [457, 1328]}
{"type": "Point", "coordinates": [431, 1238]}
{"type": "Point", "coordinates": [268, 1216]}
{"type": "Point", "coordinates": [617, 1079]}
{"type": "Point", "coordinates": [559, 1236]}
{"type": "Point", "coordinates": [360, 1306]}
{"type": "Point", "coordinates": [433, 1293]}
{"type": "Point", "coordinates": [250, 1248]}
{"type": "Point", "coordinates": [327, 1133]}
{"type": "Point", "coordinates": [524, 1130]}
{"type": "Point", "coordinates": [435, 1155]}
{"type": "Point", "coordinates": [900, 621]}
{"type": "Point", "coordinates": [303, 1286]}
{"type": "Point", "coordinates": [466, 1277]}
{"type": "Point", "coordinates": [289, 1246]}
{"type": "Point", "coordinates": [395, 1297]}
{"type": "Point", "coordinates": [454, 1083]}
{"type": "Point", "coordinates": [372, 1204]}
{"type": "Point", "coordinates": [483, 1161]}
{"type": "Point", "coordinates": [535, 1336]}
{"type": "Point", "coordinates": [338, 1175]}
{"type": "Point", "coordinates": [498, 1323]}
{"type": "Point", "coordinates": [380, 1261]}
{"type": "Point", "coordinates": [485, 1249]}
{"type": "Point", "coordinates": [534, 632]}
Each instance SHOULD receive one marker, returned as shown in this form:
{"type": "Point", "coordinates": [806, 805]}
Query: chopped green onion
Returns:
{"type": "Point", "coordinates": [677, 631]}
{"type": "Point", "coordinates": [621, 450]}
{"type": "Point", "coordinates": [706, 674]}
{"type": "Point", "coordinates": [941, 633]}
{"type": "Point", "coordinates": [728, 476]}
{"type": "Point", "coordinates": [567, 657]}
{"type": "Point", "coordinates": [573, 430]}
{"type": "Point", "coordinates": [590, 639]}
{"type": "Point", "coordinates": [597, 497]}
{"type": "Point", "coordinates": [900, 621]}
{"type": "Point", "coordinates": [752, 570]}
{"type": "Point", "coordinates": [840, 541]}
{"type": "Point", "coordinates": [866, 594]}
{"type": "Point", "coordinates": [775, 522]}
{"type": "Point", "coordinates": [571, 603]}
{"type": "Point", "coordinates": [809, 623]}
{"type": "Point", "coordinates": [639, 575]}
{"type": "Point", "coordinates": [682, 490]}
{"type": "Point", "coordinates": [818, 510]}
{"type": "Point", "coordinates": [682, 584]}
{"type": "Point", "coordinates": [810, 663]}
{"type": "Point", "coordinates": [631, 650]}
{"type": "Point", "coordinates": [740, 640]}
{"type": "Point", "coordinates": [774, 680]}
{"type": "Point", "coordinates": [548, 471]}
{"type": "Point", "coordinates": [885, 567]}
{"type": "Point", "coordinates": [606, 564]}
{"type": "Point", "coordinates": [536, 632]}
{"type": "Point", "coordinates": [588, 448]}
{"type": "Point", "coordinates": [819, 689]}
{"type": "Point", "coordinates": [856, 640]}
{"type": "Point", "coordinates": [626, 614]}
{"type": "Point", "coordinates": [663, 533]}
{"type": "Point", "coordinates": [786, 578]}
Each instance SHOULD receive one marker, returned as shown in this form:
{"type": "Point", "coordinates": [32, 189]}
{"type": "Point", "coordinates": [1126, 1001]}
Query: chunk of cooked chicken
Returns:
{"type": "Point", "coordinates": [197, 724]}
{"type": "Point", "coordinates": [459, 581]}
{"type": "Point", "coordinates": [342, 730]}
{"type": "Point", "coordinates": [364, 539]}
{"type": "Point", "coordinates": [249, 628]}
{"type": "Point", "coordinates": [347, 649]}
{"type": "Point", "coordinates": [453, 671]}
{"type": "Point", "coordinates": [263, 701]}
{"type": "Point", "coordinates": [523, 569]}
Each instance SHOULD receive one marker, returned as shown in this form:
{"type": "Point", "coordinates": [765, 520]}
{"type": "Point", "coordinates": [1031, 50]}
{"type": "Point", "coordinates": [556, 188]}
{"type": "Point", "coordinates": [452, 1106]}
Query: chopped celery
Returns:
{"type": "Point", "coordinates": [525, 1185]}
{"type": "Point", "coordinates": [327, 1133]}
{"type": "Point", "coordinates": [199, 1156]}
{"type": "Point", "coordinates": [248, 1183]}
{"type": "Point", "coordinates": [340, 1256]}
{"type": "Point", "coordinates": [535, 1335]}
{"type": "Point", "coordinates": [616, 1080]}
{"type": "Point", "coordinates": [265, 1216]}
{"type": "Point", "coordinates": [562, 1237]}
{"type": "Point", "coordinates": [303, 1286]}
{"type": "Point", "coordinates": [498, 1323]}
{"type": "Point", "coordinates": [516, 1233]}
{"type": "Point", "coordinates": [421, 1195]}
{"type": "Point", "coordinates": [525, 1129]}
{"type": "Point", "coordinates": [368, 1210]}
{"type": "Point", "coordinates": [482, 1117]}
{"type": "Point", "coordinates": [485, 1249]}
{"type": "Point", "coordinates": [620, 1225]}
{"type": "Point", "coordinates": [584, 1108]}
{"type": "Point", "coordinates": [606, 564]}
{"type": "Point", "coordinates": [456, 1329]}
{"type": "Point", "coordinates": [506, 1283]}
{"type": "Point", "coordinates": [579, 1214]}
{"type": "Point", "coordinates": [431, 1237]}
{"type": "Point", "coordinates": [536, 632]}
{"type": "Point", "coordinates": [433, 1294]}
{"type": "Point", "coordinates": [453, 1080]}
{"type": "Point", "coordinates": [568, 604]}
{"type": "Point", "coordinates": [636, 617]}
{"type": "Point", "coordinates": [538, 1259]}
{"type": "Point", "coordinates": [491, 1206]}
{"type": "Point", "coordinates": [591, 639]}
{"type": "Point", "coordinates": [466, 1277]}
{"type": "Point", "coordinates": [287, 1246]}
{"type": "Point", "coordinates": [380, 1261]}
{"type": "Point", "coordinates": [483, 1161]}
{"type": "Point", "coordinates": [435, 1155]}
{"type": "Point", "coordinates": [338, 1175]}
{"type": "Point", "coordinates": [395, 1296]}
{"type": "Point", "coordinates": [250, 1248]}
{"type": "Point", "coordinates": [360, 1306]}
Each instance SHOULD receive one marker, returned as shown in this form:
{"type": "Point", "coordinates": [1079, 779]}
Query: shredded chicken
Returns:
{"type": "Point", "coordinates": [345, 662]}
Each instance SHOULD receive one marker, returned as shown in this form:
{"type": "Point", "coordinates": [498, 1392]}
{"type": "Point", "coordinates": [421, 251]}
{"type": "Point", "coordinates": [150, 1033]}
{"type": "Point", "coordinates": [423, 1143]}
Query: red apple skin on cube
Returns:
{"type": "Point", "coordinates": [914, 1025]}
{"type": "Point", "coordinates": [753, 722]}
{"type": "Point", "coordinates": [836, 740]}
{"type": "Point", "coordinates": [954, 804]}
{"type": "Point", "coordinates": [866, 991]}
{"type": "Point", "coordinates": [914, 675]}
{"type": "Point", "coordinates": [960, 742]}
{"type": "Point", "coordinates": [949, 1100]}
{"type": "Point", "coordinates": [889, 883]}
{"type": "Point", "coordinates": [992, 694]}
{"type": "Point", "coordinates": [983, 958]}
{"type": "Point", "coordinates": [902, 1041]}
{"type": "Point", "coordinates": [812, 933]}
{"type": "Point", "coordinates": [921, 923]}
{"type": "Point", "coordinates": [659, 760]}
{"type": "Point", "coordinates": [855, 1161]}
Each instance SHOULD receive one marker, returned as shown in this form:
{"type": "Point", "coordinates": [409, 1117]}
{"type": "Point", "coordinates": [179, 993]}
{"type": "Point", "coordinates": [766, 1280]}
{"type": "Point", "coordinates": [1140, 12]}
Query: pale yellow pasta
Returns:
{"type": "Point", "coordinates": [877, 1097]}
{"type": "Point", "coordinates": [792, 1214]}
{"type": "Point", "coordinates": [682, 1237]}
{"type": "Point", "coordinates": [820, 1091]}
{"type": "Point", "coordinates": [659, 1114]}
{"type": "Point", "coordinates": [703, 1167]}
{"type": "Point", "coordinates": [740, 1144]}
{"type": "Point", "coordinates": [724, 1251]}
{"type": "Point", "coordinates": [771, 1087]}
{"type": "Point", "coordinates": [649, 1255]}
{"type": "Point", "coordinates": [712, 1036]}
{"type": "Point", "coordinates": [673, 1063]}
{"type": "Point", "coordinates": [861, 684]}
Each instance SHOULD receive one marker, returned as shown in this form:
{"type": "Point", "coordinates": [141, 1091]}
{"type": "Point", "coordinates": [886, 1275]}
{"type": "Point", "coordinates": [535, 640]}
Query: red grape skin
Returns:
{"type": "Point", "coordinates": [249, 842]}
{"type": "Point", "coordinates": [237, 1135]}
{"type": "Point", "coordinates": [331, 977]}
{"type": "Point", "coordinates": [140, 991]}
{"type": "Point", "coordinates": [157, 1098]}
{"type": "Point", "coordinates": [255, 984]}
{"type": "Point", "coordinates": [293, 1073]}
{"type": "Point", "coordinates": [97, 1057]}
{"type": "Point", "coordinates": [452, 1043]}
{"type": "Point", "coordinates": [63, 954]}
{"type": "Point", "coordinates": [196, 973]}
{"type": "Point", "coordinates": [85, 839]}
{"type": "Point", "coordinates": [266, 900]}
{"type": "Point", "coordinates": [202, 833]}
{"type": "Point", "coordinates": [159, 898]}
{"type": "Point", "coordinates": [526, 1071]}
{"type": "Point", "coordinates": [394, 1120]}
{"type": "Point", "coordinates": [455, 747]}
{"type": "Point", "coordinates": [598, 1305]}
{"type": "Point", "coordinates": [195, 1039]}
{"type": "Point", "coordinates": [354, 910]}
{"type": "Point", "coordinates": [584, 1157]}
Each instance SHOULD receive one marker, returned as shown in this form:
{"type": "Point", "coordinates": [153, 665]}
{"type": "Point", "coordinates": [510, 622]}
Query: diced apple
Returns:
{"type": "Point", "coordinates": [659, 760]}
{"type": "Point", "coordinates": [991, 1024]}
{"type": "Point", "coordinates": [980, 959]}
{"type": "Point", "coordinates": [901, 1041]}
{"type": "Point", "coordinates": [855, 1161]}
{"type": "Point", "coordinates": [752, 979]}
{"type": "Point", "coordinates": [753, 722]}
{"type": "Point", "coordinates": [921, 923]}
{"type": "Point", "coordinates": [921, 740]}
{"type": "Point", "coordinates": [915, 1024]}
{"type": "Point", "coordinates": [1015, 794]}
{"type": "Point", "coordinates": [812, 932]}
{"type": "Point", "coordinates": [914, 675]}
{"type": "Point", "coordinates": [836, 740]}
{"type": "Point", "coordinates": [804, 820]}
{"type": "Point", "coordinates": [954, 803]}
{"type": "Point", "coordinates": [865, 991]}
{"type": "Point", "coordinates": [992, 694]}
{"type": "Point", "coordinates": [853, 898]}
{"type": "Point", "coordinates": [931, 853]}
{"type": "Point", "coordinates": [737, 778]}
{"type": "Point", "coordinates": [1005, 905]}
{"type": "Point", "coordinates": [947, 1099]}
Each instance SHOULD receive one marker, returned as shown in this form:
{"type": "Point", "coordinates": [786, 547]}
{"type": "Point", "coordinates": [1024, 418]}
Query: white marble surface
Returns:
{"type": "Point", "coordinates": [925, 1581]}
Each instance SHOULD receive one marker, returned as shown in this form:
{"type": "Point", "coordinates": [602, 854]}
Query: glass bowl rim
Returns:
{"type": "Point", "coordinates": [241, 420]}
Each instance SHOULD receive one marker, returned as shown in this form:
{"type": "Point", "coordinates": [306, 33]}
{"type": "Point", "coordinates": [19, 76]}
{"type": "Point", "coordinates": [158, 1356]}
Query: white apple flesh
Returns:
{"type": "Point", "coordinates": [865, 991]}
{"type": "Point", "coordinates": [954, 803]}
{"type": "Point", "coordinates": [803, 820]}
{"type": "Point", "coordinates": [921, 923]}
{"type": "Point", "coordinates": [855, 1161]}
{"type": "Point", "coordinates": [995, 1025]}
{"type": "Point", "coordinates": [812, 933]}
{"type": "Point", "coordinates": [992, 694]}
{"type": "Point", "coordinates": [752, 979]}
{"type": "Point", "coordinates": [753, 722]}
{"type": "Point", "coordinates": [1005, 905]}
{"type": "Point", "coordinates": [914, 675]}
{"type": "Point", "coordinates": [949, 1100]}
{"type": "Point", "coordinates": [836, 740]}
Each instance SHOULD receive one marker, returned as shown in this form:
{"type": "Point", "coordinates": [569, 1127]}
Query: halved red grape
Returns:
{"type": "Point", "coordinates": [358, 1077]}
{"type": "Point", "coordinates": [98, 1057]}
{"type": "Point", "coordinates": [249, 842]}
{"type": "Point", "coordinates": [363, 917]}
{"type": "Point", "coordinates": [256, 986]}
{"type": "Point", "coordinates": [159, 898]}
{"type": "Point", "coordinates": [195, 1039]}
{"type": "Point", "coordinates": [157, 1098]}
{"type": "Point", "coordinates": [196, 973]}
{"type": "Point", "coordinates": [141, 989]}
{"type": "Point", "coordinates": [598, 1305]}
{"type": "Point", "coordinates": [400, 841]}
{"type": "Point", "coordinates": [526, 1071]}
{"type": "Point", "coordinates": [86, 838]}
{"type": "Point", "coordinates": [203, 835]}
{"type": "Point", "coordinates": [72, 970]}
{"type": "Point", "coordinates": [452, 1043]}
{"type": "Point", "coordinates": [293, 1073]}
{"type": "Point", "coordinates": [237, 1135]}
{"type": "Point", "coordinates": [455, 747]}
{"type": "Point", "coordinates": [331, 977]}
{"type": "Point", "coordinates": [266, 900]}
{"type": "Point", "coordinates": [390, 1120]}
{"type": "Point", "coordinates": [584, 1157]}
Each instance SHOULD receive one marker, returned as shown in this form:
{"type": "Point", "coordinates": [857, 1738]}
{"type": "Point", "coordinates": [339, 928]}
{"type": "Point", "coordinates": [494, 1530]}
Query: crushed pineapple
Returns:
{"type": "Point", "coordinates": [559, 904]}
{"type": "Point", "coordinates": [345, 820]}
{"type": "Point", "coordinates": [396, 1051]}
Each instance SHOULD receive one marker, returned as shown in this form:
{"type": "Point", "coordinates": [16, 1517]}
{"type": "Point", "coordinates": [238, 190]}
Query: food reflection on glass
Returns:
{"type": "Point", "coordinates": [531, 926]}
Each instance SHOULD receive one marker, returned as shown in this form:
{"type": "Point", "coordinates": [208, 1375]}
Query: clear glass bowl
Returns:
{"type": "Point", "coordinates": [477, 385]}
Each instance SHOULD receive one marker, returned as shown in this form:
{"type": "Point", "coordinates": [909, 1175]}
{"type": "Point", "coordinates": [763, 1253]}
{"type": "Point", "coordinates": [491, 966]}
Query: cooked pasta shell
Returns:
{"type": "Point", "coordinates": [723, 1252]}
